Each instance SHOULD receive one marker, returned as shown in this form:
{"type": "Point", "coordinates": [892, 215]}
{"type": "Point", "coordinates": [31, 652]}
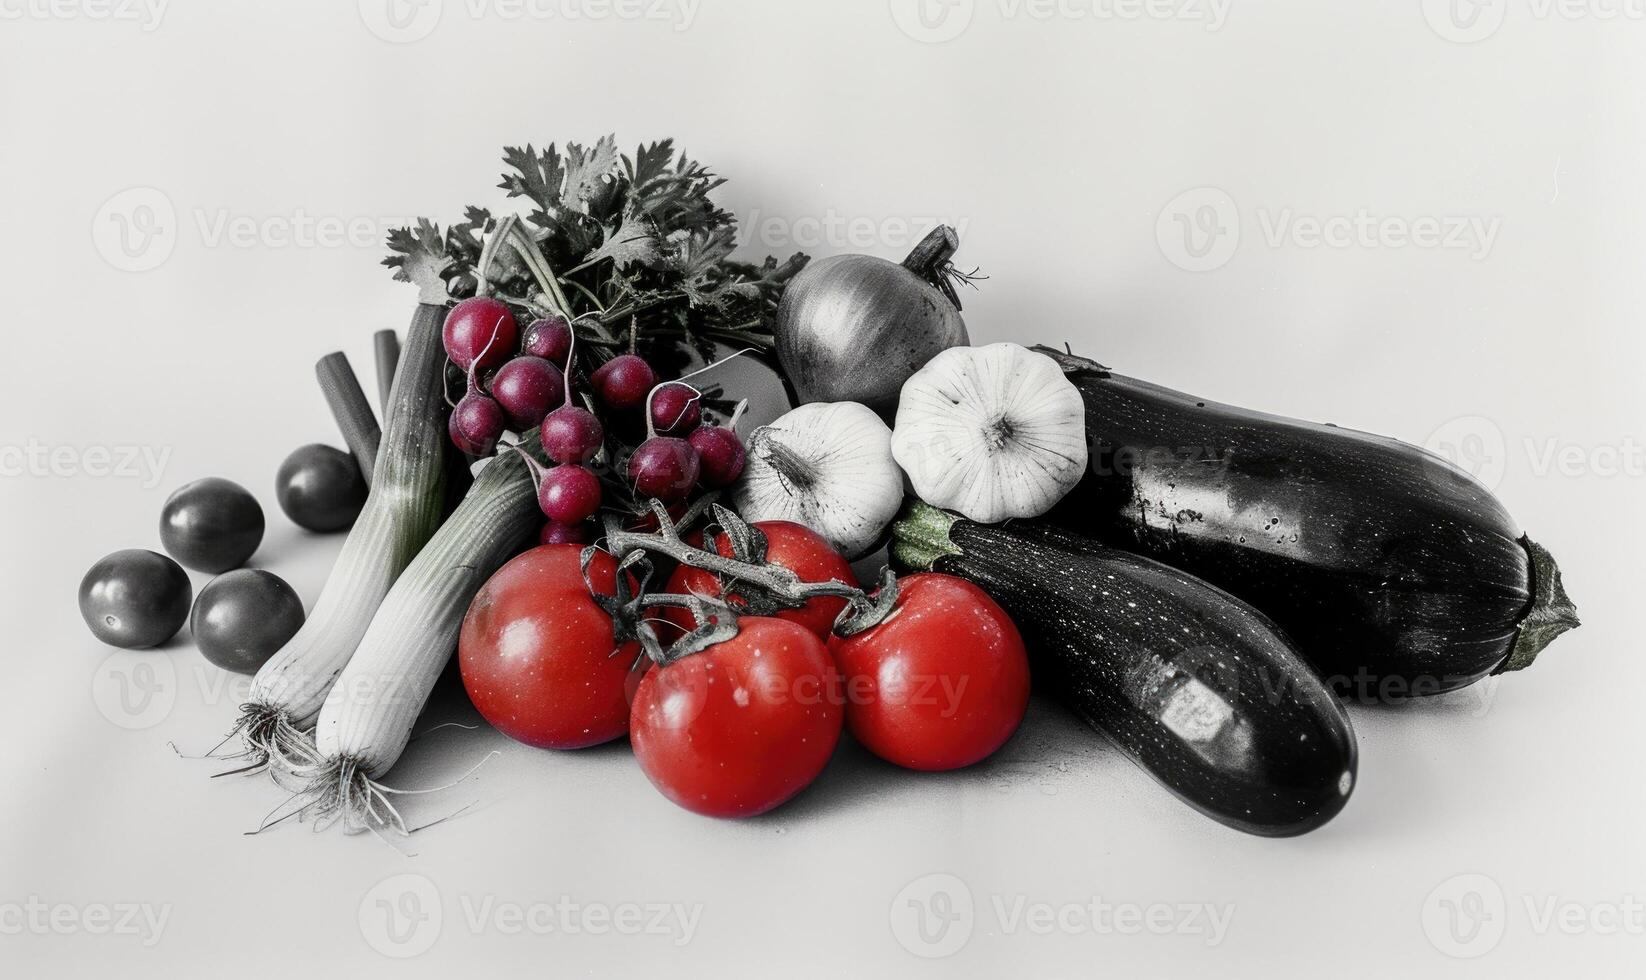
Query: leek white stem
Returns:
{"type": "Point", "coordinates": [369, 713]}
{"type": "Point", "coordinates": [401, 513]}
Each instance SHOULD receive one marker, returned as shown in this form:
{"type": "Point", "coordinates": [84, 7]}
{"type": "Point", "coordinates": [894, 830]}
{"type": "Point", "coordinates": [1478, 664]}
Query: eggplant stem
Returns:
{"type": "Point", "coordinates": [920, 536]}
{"type": "Point", "coordinates": [1550, 613]}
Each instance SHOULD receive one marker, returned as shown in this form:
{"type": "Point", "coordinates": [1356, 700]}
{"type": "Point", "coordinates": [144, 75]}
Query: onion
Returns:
{"type": "Point", "coordinates": [855, 327]}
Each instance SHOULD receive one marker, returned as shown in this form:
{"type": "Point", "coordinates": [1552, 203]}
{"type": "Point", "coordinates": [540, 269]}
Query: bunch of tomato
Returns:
{"type": "Point", "coordinates": [743, 725]}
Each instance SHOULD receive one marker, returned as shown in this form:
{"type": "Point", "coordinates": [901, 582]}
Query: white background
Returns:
{"type": "Point", "coordinates": [1058, 144]}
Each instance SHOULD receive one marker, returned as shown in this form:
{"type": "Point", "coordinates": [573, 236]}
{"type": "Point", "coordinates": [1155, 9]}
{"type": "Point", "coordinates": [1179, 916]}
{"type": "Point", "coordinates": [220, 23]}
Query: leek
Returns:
{"type": "Point", "coordinates": [400, 515]}
{"type": "Point", "coordinates": [368, 715]}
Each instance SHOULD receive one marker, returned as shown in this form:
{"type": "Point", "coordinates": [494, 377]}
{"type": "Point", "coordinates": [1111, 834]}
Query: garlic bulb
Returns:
{"type": "Point", "coordinates": [993, 432]}
{"type": "Point", "coordinates": [829, 466]}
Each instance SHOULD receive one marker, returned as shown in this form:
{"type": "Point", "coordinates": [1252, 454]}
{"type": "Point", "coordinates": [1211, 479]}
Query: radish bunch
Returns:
{"type": "Point", "coordinates": [518, 380]}
{"type": "Point", "coordinates": [481, 333]}
{"type": "Point", "coordinates": [680, 453]}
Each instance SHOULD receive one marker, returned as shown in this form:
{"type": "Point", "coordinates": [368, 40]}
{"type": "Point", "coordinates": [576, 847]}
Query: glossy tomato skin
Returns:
{"type": "Point", "coordinates": [743, 726]}
{"type": "Point", "coordinates": [795, 547]}
{"type": "Point", "coordinates": [536, 652]}
{"type": "Point", "coordinates": [940, 684]}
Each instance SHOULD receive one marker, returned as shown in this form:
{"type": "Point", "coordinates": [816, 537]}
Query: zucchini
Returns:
{"type": "Point", "coordinates": [1396, 573]}
{"type": "Point", "coordinates": [1199, 689]}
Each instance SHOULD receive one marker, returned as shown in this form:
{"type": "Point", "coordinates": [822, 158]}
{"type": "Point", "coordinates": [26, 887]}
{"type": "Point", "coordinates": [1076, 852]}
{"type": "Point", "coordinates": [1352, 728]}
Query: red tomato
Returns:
{"type": "Point", "coordinates": [536, 652]}
{"type": "Point", "coordinates": [795, 547]}
{"type": "Point", "coordinates": [942, 682]}
{"type": "Point", "coordinates": [741, 727]}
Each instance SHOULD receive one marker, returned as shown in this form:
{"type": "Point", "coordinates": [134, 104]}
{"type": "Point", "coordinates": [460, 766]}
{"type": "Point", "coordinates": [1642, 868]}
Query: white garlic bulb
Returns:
{"type": "Point", "coordinates": [829, 466]}
{"type": "Point", "coordinates": [992, 432]}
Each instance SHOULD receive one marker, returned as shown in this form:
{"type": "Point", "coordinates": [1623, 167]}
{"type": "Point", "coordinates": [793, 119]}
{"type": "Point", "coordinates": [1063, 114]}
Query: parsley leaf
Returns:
{"type": "Point", "coordinates": [419, 256]}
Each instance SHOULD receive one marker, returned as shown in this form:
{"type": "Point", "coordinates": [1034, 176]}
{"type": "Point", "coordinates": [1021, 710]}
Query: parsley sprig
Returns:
{"type": "Point", "coordinates": [622, 245]}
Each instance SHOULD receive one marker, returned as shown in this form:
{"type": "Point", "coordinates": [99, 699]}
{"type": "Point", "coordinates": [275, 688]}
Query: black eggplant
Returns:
{"type": "Point", "coordinates": [1396, 573]}
{"type": "Point", "coordinates": [1198, 688]}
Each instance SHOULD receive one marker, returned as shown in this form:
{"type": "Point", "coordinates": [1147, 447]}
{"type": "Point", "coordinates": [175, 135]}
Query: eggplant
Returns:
{"type": "Point", "coordinates": [1199, 689]}
{"type": "Point", "coordinates": [1397, 573]}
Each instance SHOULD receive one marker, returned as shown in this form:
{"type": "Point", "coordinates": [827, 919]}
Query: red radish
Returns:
{"type": "Point", "coordinates": [476, 424]}
{"type": "Point", "coordinates": [721, 455]}
{"type": "Point", "coordinates": [527, 388]}
{"type": "Point", "coordinates": [554, 532]}
{"type": "Point", "coordinates": [623, 382]}
{"type": "Point", "coordinates": [572, 435]}
{"type": "Point", "coordinates": [569, 493]}
{"type": "Point", "coordinates": [664, 467]}
{"type": "Point", "coordinates": [549, 338]}
{"type": "Point", "coordinates": [676, 408]}
{"type": "Point", "coordinates": [480, 332]}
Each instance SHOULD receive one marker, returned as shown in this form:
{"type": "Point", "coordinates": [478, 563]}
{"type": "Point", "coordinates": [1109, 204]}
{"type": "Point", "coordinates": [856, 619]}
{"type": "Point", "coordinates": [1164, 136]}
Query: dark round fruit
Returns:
{"type": "Point", "coordinates": [572, 435]}
{"type": "Point", "coordinates": [526, 389]}
{"type": "Point", "coordinates": [623, 382]}
{"type": "Point", "coordinates": [320, 488]}
{"type": "Point", "coordinates": [549, 338]}
{"type": "Point", "coordinates": [677, 408]}
{"type": "Point", "coordinates": [244, 617]}
{"type": "Point", "coordinates": [569, 493]}
{"type": "Point", "coordinates": [480, 330]}
{"type": "Point", "coordinates": [555, 532]}
{"type": "Point", "coordinates": [135, 599]}
{"type": "Point", "coordinates": [721, 455]}
{"type": "Point", "coordinates": [211, 525]}
{"type": "Point", "coordinates": [476, 424]}
{"type": "Point", "coordinates": [664, 467]}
